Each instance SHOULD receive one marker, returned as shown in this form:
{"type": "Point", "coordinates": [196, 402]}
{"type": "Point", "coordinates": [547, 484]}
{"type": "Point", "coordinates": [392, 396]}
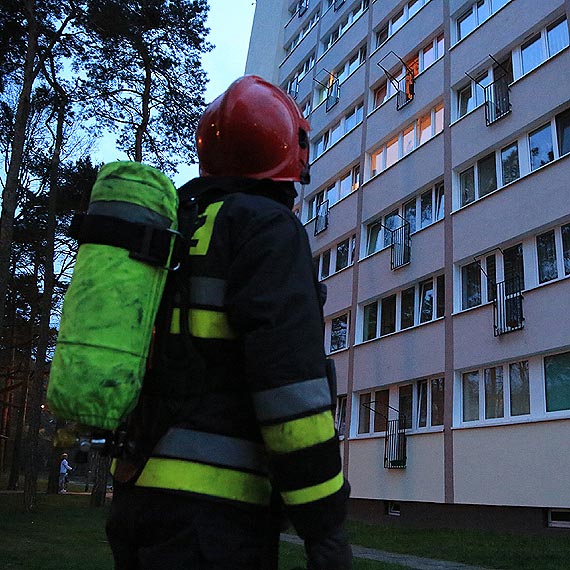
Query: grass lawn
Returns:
{"type": "Point", "coordinates": [491, 550]}
{"type": "Point", "coordinates": [66, 533]}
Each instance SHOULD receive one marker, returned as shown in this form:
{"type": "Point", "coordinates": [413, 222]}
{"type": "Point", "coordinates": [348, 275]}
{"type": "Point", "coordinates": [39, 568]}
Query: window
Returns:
{"type": "Point", "coordinates": [496, 392]}
{"type": "Point", "coordinates": [563, 132]}
{"type": "Point", "coordinates": [379, 95]}
{"type": "Point", "coordinates": [381, 407]}
{"type": "Point", "coordinates": [364, 413]}
{"type": "Point", "coordinates": [540, 47]}
{"type": "Point", "coordinates": [339, 257]}
{"type": "Point", "coordinates": [485, 173]}
{"type": "Point", "coordinates": [473, 94]}
{"type": "Point", "coordinates": [546, 251]}
{"type": "Point", "coordinates": [350, 65]}
{"type": "Point", "coordinates": [370, 321]}
{"type": "Point", "coordinates": [510, 163]}
{"type": "Point", "coordinates": [519, 388]}
{"type": "Point", "coordinates": [352, 119]}
{"type": "Point", "coordinates": [346, 22]}
{"type": "Point", "coordinates": [407, 308]}
{"type": "Point", "coordinates": [429, 403]}
{"type": "Point", "coordinates": [339, 333]}
{"type": "Point", "coordinates": [557, 37]}
{"type": "Point", "coordinates": [340, 415]}
{"type": "Point", "coordinates": [304, 31]}
{"type": "Point", "coordinates": [372, 411]}
{"type": "Point", "coordinates": [541, 148]}
{"type": "Point", "coordinates": [381, 35]}
{"type": "Point", "coordinates": [478, 286]}
{"type": "Point", "coordinates": [477, 13]}
{"type": "Point", "coordinates": [335, 191]}
{"type": "Point", "coordinates": [409, 10]}
{"type": "Point", "coordinates": [413, 135]}
{"type": "Point", "coordinates": [471, 285]}
{"type": "Point", "coordinates": [557, 382]}
{"type": "Point", "coordinates": [418, 304]}
{"type": "Point", "coordinates": [388, 315]}
{"type": "Point", "coordinates": [405, 404]}
{"type": "Point", "coordinates": [345, 253]}
{"type": "Point", "coordinates": [558, 518]}
{"type": "Point", "coordinates": [426, 301]}
{"type": "Point", "coordinates": [426, 204]}
{"type": "Point", "coordinates": [467, 186]}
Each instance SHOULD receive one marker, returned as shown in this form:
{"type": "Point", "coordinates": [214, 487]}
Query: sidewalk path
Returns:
{"type": "Point", "coordinates": [408, 560]}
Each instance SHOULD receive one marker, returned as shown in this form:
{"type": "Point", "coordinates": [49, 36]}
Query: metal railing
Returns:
{"type": "Point", "coordinates": [333, 94]}
{"type": "Point", "coordinates": [303, 7]}
{"type": "Point", "coordinates": [497, 100]}
{"type": "Point", "coordinates": [395, 443]}
{"type": "Point", "coordinates": [401, 248]}
{"type": "Point", "coordinates": [508, 306]}
{"type": "Point", "coordinates": [322, 218]}
{"type": "Point", "coordinates": [406, 89]}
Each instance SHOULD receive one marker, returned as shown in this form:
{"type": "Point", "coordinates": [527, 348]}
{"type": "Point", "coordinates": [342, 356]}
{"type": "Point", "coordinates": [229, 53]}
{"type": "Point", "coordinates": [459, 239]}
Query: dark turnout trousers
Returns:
{"type": "Point", "coordinates": [155, 530]}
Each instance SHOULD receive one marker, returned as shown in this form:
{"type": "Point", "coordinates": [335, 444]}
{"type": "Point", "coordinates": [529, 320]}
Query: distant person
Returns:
{"type": "Point", "coordinates": [64, 469]}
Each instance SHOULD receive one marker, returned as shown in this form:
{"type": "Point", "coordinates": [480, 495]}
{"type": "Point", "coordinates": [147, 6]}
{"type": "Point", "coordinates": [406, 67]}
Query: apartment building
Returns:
{"type": "Point", "coordinates": [439, 217]}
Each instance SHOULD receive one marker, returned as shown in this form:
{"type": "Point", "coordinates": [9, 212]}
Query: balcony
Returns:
{"type": "Point", "coordinates": [395, 444]}
{"type": "Point", "coordinates": [401, 248]}
{"type": "Point", "coordinates": [338, 4]}
{"type": "Point", "coordinates": [508, 306]}
{"type": "Point", "coordinates": [333, 93]}
{"type": "Point", "coordinates": [322, 218]}
{"type": "Point", "coordinates": [497, 100]}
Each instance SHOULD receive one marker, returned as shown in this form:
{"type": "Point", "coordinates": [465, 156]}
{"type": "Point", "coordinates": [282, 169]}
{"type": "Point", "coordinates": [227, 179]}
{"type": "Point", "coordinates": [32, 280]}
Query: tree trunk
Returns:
{"type": "Point", "coordinates": [101, 472]}
{"type": "Point", "coordinates": [9, 196]}
{"type": "Point", "coordinates": [38, 385]}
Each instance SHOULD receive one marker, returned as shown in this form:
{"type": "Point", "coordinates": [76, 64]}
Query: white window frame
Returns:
{"type": "Point", "coordinates": [398, 316]}
{"type": "Point", "coordinates": [490, 8]}
{"type": "Point", "coordinates": [518, 72]}
{"type": "Point", "coordinates": [321, 144]}
{"type": "Point", "coordinates": [382, 149]}
{"type": "Point", "coordinates": [330, 332]}
{"type": "Point", "coordinates": [337, 32]}
{"type": "Point", "coordinates": [507, 416]}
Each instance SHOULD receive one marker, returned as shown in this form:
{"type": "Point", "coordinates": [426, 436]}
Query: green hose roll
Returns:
{"type": "Point", "coordinates": [111, 304]}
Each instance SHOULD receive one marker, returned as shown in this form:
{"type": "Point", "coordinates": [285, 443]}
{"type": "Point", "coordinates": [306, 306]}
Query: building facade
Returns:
{"type": "Point", "coordinates": [439, 217]}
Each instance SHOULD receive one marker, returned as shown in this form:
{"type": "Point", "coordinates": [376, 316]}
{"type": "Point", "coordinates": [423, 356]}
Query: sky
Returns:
{"type": "Point", "coordinates": [230, 27]}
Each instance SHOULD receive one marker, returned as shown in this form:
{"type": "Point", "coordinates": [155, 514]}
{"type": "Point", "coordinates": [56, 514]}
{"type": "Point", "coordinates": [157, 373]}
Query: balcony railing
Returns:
{"type": "Point", "coordinates": [401, 248]}
{"type": "Point", "coordinates": [338, 4]}
{"type": "Point", "coordinates": [395, 452]}
{"type": "Point", "coordinates": [322, 219]}
{"type": "Point", "coordinates": [508, 306]}
{"type": "Point", "coordinates": [405, 86]}
{"type": "Point", "coordinates": [303, 7]}
{"type": "Point", "coordinates": [406, 89]}
{"type": "Point", "coordinates": [333, 94]}
{"type": "Point", "coordinates": [395, 444]}
{"type": "Point", "coordinates": [497, 100]}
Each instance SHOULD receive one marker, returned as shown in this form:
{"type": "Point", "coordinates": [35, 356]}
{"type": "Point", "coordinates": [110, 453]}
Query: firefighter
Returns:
{"type": "Point", "coordinates": [234, 424]}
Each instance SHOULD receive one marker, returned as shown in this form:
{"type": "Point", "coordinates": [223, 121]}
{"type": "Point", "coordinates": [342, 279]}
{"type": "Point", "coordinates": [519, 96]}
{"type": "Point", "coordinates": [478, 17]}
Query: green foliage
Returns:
{"type": "Point", "coordinates": [144, 79]}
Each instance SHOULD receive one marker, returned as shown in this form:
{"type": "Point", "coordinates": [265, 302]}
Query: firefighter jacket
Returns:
{"type": "Point", "coordinates": [237, 404]}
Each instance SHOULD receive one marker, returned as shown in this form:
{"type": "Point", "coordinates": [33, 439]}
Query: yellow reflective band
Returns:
{"type": "Point", "coordinates": [299, 434]}
{"type": "Point", "coordinates": [113, 467]}
{"type": "Point", "coordinates": [203, 234]}
{"type": "Point", "coordinates": [314, 493]}
{"type": "Point", "coordinates": [204, 324]}
{"type": "Point", "coordinates": [209, 480]}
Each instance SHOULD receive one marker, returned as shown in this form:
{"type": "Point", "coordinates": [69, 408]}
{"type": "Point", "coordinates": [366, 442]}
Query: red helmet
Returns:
{"type": "Point", "coordinates": [254, 130]}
